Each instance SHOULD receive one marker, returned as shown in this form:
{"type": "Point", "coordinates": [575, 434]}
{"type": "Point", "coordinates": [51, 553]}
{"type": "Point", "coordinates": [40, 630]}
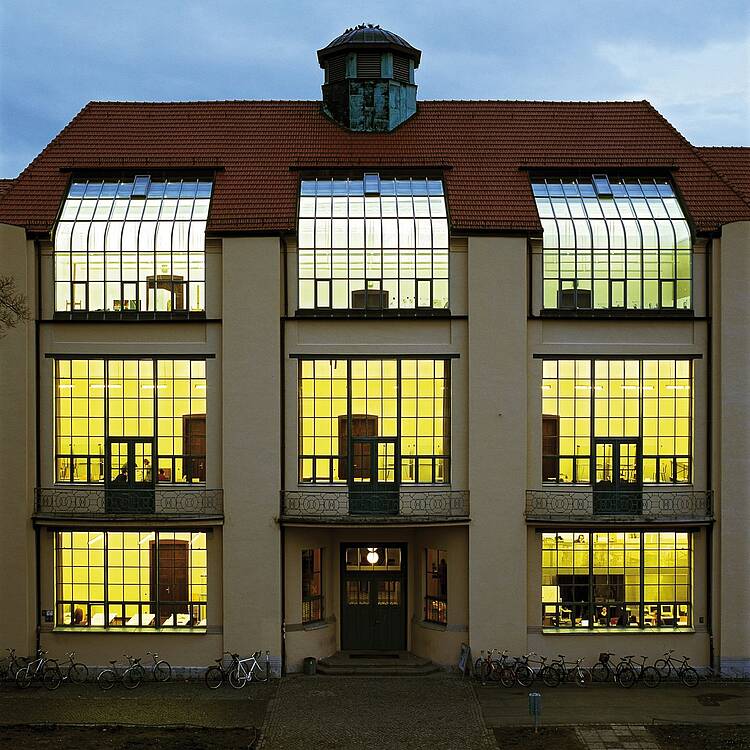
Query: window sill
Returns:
{"type": "Point", "coordinates": [429, 625]}
{"type": "Point", "coordinates": [316, 625]}
{"type": "Point", "coordinates": [615, 631]}
{"type": "Point", "coordinates": [119, 631]}
{"type": "Point", "coordinates": [324, 312]}
{"type": "Point", "coordinates": [616, 312]}
{"type": "Point", "coordinates": [130, 315]}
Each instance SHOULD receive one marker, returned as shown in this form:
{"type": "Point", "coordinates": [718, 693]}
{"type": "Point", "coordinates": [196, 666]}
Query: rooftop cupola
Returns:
{"type": "Point", "coordinates": [369, 79]}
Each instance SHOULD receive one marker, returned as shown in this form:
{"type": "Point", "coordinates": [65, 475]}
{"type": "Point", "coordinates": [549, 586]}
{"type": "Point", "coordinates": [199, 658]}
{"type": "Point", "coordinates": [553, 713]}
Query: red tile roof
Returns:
{"type": "Point", "coordinates": [5, 185]}
{"type": "Point", "coordinates": [732, 163]}
{"type": "Point", "coordinates": [260, 146]}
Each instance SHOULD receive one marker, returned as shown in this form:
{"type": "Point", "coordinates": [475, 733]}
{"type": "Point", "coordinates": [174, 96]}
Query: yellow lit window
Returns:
{"type": "Point", "coordinates": [616, 579]}
{"type": "Point", "coordinates": [131, 579]}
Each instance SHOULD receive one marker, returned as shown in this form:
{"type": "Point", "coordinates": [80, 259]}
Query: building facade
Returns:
{"type": "Point", "coordinates": [373, 374]}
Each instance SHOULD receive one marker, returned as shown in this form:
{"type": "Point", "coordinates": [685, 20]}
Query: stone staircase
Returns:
{"type": "Point", "coordinates": [376, 664]}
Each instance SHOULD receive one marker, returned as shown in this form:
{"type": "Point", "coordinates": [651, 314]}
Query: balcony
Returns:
{"type": "Point", "coordinates": [575, 505]}
{"type": "Point", "coordinates": [97, 503]}
{"type": "Point", "coordinates": [375, 507]}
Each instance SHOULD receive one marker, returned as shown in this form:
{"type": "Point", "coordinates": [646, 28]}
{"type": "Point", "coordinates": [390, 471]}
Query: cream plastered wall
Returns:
{"type": "Point", "coordinates": [251, 419]}
{"type": "Point", "coordinates": [96, 648]}
{"type": "Point", "coordinates": [17, 460]}
{"type": "Point", "coordinates": [693, 643]}
{"type": "Point", "coordinates": [731, 326]}
{"type": "Point", "coordinates": [438, 643]}
{"type": "Point", "coordinates": [497, 277]}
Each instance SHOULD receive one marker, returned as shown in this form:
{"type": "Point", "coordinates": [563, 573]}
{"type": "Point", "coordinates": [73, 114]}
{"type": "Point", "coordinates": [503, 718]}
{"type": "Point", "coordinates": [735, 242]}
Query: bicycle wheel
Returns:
{"type": "Point", "coordinates": [550, 677]}
{"type": "Point", "coordinates": [600, 672]}
{"type": "Point", "coordinates": [258, 672]}
{"type": "Point", "coordinates": [626, 677]}
{"type": "Point", "coordinates": [582, 676]}
{"type": "Point", "coordinates": [162, 671]}
{"type": "Point", "coordinates": [236, 680]}
{"type": "Point", "coordinates": [479, 670]}
{"type": "Point", "coordinates": [132, 677]}
{"type": "Point", "coordinates": [524, 675]}
{"type": "Point", "coordinates": [494, 668]}
{"type": "Point", "coordinates": [106, 679]}
{"type": "Point", "coordinates": [52, 677]}
{"type": "Point", "coordinates": [689, 677]}
{"type": "Point", "coordinates": [651, 677]}
{"type": "Point", "coordinates": [78, 673]}
{"type": "Point", "coordinates": [23, 678]}
{"type": "Point", "coordinates": [507, 676]}
{"type": "Point", "coordinates": [214, 678]}
{"type": "Point", "coordinates": [662, 667]}
{"type": "Point", "coordinates": [562, 674]}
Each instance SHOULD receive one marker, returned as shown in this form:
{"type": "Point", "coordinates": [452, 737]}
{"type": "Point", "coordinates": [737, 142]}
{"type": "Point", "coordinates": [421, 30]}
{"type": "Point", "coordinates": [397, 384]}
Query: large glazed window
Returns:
{"type": "Point", "coordinates": [131, 579]}
{"type": "Point", "coordinates": [132, 245]}
{"type": "Point", "coordinates": [101, 405]}
{"type": "Point", "coordinates": [404, 402]}
{"type": "Point", "coordinates": [614, 243]}
{"type": "Point", "coordinates": [372, 244]}
{"type": "Point", "coordinates": [596, 413]}
{"type": "Point", "coordinates": [615, 579]}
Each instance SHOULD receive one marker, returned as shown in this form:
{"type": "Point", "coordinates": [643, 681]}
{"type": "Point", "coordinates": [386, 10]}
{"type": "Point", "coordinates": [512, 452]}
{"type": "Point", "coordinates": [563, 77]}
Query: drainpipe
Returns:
{"type": "Point", "coordinates": [282, 440]}
{"type": "Point", "coordinates": [709, 451]}
{"type": "Point", "coordinates": [37, 439]}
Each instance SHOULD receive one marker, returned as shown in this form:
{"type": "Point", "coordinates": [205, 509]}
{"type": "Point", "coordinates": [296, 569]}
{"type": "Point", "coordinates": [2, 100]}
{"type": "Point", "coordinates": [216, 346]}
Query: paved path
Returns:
{"type": "Point", "coordinates": [616, 737]}
{"type": "Point", "coordinates": [435, 712]}
{"type": "Point", "coordinates": [726, 703]}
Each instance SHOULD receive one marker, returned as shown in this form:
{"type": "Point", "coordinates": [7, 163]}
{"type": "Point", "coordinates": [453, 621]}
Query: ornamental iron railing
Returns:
{"type": "Point", "coordinates": [363, 506]}
{"type": "Point", "coordinates": [90, 501]}
{"type": "Point", "coordinates": [583, 503]}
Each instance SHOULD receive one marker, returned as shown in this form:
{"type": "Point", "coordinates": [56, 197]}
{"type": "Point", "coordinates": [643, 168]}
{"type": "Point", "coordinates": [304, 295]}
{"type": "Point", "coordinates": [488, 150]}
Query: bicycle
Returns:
{"type": "Point", "coordinates": [484, 667]}
{"type": "Point", "coordinates": [42, 669]}
{"type": "Point", "coordinates": [603, 670]}
{"type": "Point", "coordinates": [160, 669]}
{"type": "Point", "coordinates": [131, 677]}
{"type": "Point", "coordinates": [11, 664]}
{"type": "Point", "coordinates": [684, 672]}
{"type": "Point", "coordinates": [629, 672]}
{"type": "Point", "coordinates": [242, 674]}
{"type": "Point", "coordinates": [495, 668]}
{"type": "Point", "coordinates": [77, 672]}
{"type": "Point", "coordinates": [570, 671]}
{"type": "Point", "coordinates": [526, 673]}
{"type": "Point", "coordinates": [216, 674]}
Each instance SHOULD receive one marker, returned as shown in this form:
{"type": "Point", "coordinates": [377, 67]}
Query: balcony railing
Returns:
{"type": "Point", "coordinates": [94, 502]}
{"type": "Point", "coordinates": [575, 504]}
{"type": "Point", "coordinates": [375, 507]}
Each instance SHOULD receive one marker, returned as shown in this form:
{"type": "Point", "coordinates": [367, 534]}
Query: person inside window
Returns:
{"type": "Point", "coordinates": [122, 477]}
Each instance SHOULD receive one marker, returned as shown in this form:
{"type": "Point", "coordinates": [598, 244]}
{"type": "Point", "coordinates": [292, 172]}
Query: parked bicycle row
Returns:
{"type": "Point", "coordinates": [498, 667]}
{"type": "Point", "coordinates": [41, 669]}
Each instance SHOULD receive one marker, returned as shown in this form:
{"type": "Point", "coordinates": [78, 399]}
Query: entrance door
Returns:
{"type": "Point", "coordinates": [373, 598]}
{"type": "Point", "coordinates": [373, 483]}
{"type": "Point", "coordinates": [129, 477]}
{"type": "Point", "coordinates": [618, 482]}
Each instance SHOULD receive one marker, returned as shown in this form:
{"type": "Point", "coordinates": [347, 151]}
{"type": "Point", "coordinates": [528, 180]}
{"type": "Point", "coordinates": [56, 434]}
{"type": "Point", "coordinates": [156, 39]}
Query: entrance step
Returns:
{"type": "Point", "coordinates": [376, 663]}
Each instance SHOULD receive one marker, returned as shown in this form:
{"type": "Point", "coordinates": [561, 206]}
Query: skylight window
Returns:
{"type": "Point", "coordinates": [372, 183]}
{"type": "Point", "coordinates": [140, 185]}
{"type": "Point", "coordinates": [601, 185]}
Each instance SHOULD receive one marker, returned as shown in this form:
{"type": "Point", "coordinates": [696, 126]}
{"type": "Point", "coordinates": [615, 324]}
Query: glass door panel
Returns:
{"type": "Point", "coordinates": [373, 487]}
{"type": "Point", "coordinates": [130, 478]}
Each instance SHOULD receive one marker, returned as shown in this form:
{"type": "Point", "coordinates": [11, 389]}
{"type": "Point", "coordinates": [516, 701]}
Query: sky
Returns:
{"type": "Point", "coordinates": [689, 58]}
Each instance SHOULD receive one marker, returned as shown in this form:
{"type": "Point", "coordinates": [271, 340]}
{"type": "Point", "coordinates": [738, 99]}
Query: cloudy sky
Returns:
{"type": "Point", "coordinates": [690, 58]}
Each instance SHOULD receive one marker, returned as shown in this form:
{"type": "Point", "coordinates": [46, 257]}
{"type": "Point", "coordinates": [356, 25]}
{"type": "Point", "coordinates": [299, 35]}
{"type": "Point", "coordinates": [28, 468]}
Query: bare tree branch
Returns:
{"type": "Point", "coordinates": [13, 306]}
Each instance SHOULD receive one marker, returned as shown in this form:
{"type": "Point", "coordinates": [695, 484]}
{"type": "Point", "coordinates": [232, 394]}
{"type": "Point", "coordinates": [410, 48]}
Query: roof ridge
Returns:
{"type": "Point", "coordinates": [696, 152]}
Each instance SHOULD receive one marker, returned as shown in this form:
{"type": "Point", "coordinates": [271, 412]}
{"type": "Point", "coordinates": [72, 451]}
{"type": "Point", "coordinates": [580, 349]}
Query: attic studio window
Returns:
{"type": "Point", "coordinates": [373, 244]}
{"type": "Point", "coordinates": [132, 245]}
{"type": "Point", "coordinates": [613, 243]}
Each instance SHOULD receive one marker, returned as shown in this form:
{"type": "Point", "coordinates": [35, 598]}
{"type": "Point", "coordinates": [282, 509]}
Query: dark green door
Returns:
{"type": "Point", "coordinates": [373, 601]}
{"type": "Point", "coordinates": [373, 483]}
{"type": "Point", "coordinates": [129, 478]}
{"type": "Point", "coordinates": [617, 476]}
